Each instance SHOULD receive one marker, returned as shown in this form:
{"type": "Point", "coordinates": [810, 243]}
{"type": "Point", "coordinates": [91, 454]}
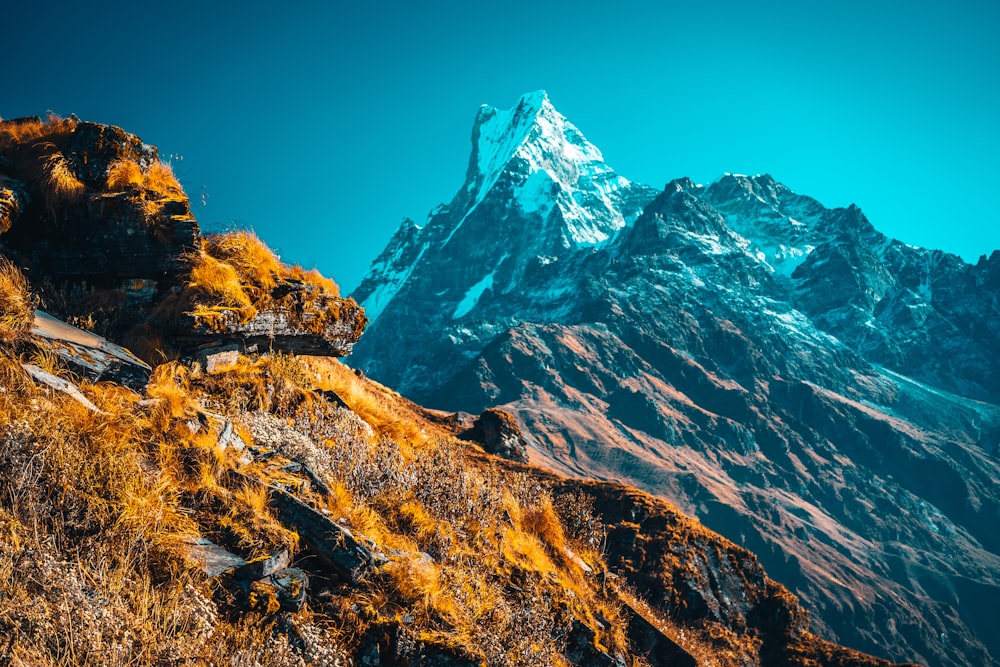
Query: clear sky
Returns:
{"type": "Point", "coordinates": [322, 125]}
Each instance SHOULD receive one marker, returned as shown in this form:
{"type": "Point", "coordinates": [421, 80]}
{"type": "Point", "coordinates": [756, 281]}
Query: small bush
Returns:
{"type": "Point", "coordinates": [252, 259]}
{"type": "Point", "coordinates": [124, 175]}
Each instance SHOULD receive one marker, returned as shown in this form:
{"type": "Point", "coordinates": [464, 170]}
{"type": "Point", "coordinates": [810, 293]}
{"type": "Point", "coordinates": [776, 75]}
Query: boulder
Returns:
{"type": "Point", "coordinates": [88, 354]}
{"type": "Point", "coordinates": [499, 434]}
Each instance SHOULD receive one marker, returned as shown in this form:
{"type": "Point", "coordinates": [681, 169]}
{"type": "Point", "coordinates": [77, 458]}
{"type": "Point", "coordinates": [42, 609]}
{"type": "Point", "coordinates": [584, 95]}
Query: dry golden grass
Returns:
{"type": "Point", "coordinates": [34, 146]}
{"type": "Point", "coordinates": [233, 277]}
{"type": "Point", "coordinates": [253, 261]}
{"type": "Point", "coordinates": [15, 134]}
{"type": "Point", "coordinates": [124, 175]}
{"type": "Point", "coordinates": [314, 277]}
{"type": "Point", "coordinates": [154, 187]}
{"type": "Point", "coordinates": [160, 180]}
{"type": "Point", "coordinates": [97, 508]}
{"type": "Point", "coordinates": [218, 281]}
{"type": "Point", "coordinates": [386, 411]}
{"type": "Point", "coordinates": [60, 186]}
{"type": "Point", "coordinates": [17, 305]}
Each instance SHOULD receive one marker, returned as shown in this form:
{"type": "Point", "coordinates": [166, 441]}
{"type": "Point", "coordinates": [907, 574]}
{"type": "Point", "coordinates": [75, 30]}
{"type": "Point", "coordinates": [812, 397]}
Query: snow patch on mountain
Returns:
{"type": "Point", "coordinates": [474, 293]}
{"type": "Point", "coordinates": [391, 283]}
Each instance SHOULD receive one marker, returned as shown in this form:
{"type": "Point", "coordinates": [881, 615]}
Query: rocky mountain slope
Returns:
{"type": "Point", "coordinates": [226, 501]}
{"type": "Point", "coordinates": [811, 389]}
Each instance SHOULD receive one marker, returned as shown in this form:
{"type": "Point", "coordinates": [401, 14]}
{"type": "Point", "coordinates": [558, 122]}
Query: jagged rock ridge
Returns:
{"type": "Point", "coordinates": [810, 388]}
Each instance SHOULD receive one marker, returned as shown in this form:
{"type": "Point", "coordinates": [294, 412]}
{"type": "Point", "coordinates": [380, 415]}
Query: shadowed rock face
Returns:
{"type": "Point", "coordinates": [101, 236]}
{"type": "Point", "coordinates": [816, 392]}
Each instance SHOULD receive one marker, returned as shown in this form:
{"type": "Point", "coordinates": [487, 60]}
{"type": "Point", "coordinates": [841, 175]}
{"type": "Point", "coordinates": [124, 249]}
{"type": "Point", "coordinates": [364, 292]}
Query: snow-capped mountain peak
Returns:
{"type": "Point", "coordinates": [553, 165]}
{"type": "Point", "coordinates": [535, 188]}
{"type": "Point", "coordinates": [532, 130]}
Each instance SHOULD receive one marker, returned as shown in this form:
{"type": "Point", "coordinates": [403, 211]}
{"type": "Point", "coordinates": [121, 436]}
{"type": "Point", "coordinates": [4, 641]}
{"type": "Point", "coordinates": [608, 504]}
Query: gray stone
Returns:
{"type": "Point", "coordinates": [59, 384]}
{"type": "Point", "coordinates": [290, 587]}
{"type": "Point", "coordinates": [210, 558]}
{"type": "Point", "coordinates": [88, 354]}
{"type": "Point", "coordinates": [220, 361]}
{"type": "Point", "coordinates": [263, 567]}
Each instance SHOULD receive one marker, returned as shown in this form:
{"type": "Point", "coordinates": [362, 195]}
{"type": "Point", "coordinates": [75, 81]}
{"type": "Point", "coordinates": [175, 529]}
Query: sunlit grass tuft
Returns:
{"type": "Point", "coordinates": [17, 305]}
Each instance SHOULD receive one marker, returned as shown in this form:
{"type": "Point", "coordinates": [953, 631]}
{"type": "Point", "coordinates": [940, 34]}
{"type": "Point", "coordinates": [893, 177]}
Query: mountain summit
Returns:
{"type": "Point", "coordinates": [810, 388]}
{"type": "Point", "coordinates": [536, 190]}
{"type": "Point", "coordinates": [550, 168]}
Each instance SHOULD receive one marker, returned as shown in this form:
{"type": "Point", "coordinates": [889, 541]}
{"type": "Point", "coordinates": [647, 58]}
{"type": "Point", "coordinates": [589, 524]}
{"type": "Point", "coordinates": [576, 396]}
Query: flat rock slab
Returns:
{"type": "Point", "coordinates": [263, 567]}
{"type": "Point", "coordinates": [298, 330]}
{"type": "Point", "coordinates": [334, 545]}
{"type": "Point", "coordinates": [92, 356]}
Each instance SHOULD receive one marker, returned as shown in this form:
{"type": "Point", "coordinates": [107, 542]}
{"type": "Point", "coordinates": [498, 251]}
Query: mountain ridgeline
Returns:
{"type": "Point", "coordinates": [813, 390]}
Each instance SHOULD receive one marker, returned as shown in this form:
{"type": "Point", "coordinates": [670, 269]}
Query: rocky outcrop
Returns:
{"type": "Point", "coordinates": [304, 322]}
{"type": "Point", "coordinates": [105, 233]}
{"type": "Point", "coordinates": [499, 434]}
{"type": "Point", "coordinates": [71, 223]}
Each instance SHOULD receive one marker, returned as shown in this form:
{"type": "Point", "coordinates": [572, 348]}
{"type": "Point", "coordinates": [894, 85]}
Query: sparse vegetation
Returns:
{"type": "Point", "coordinates": [463, 578]}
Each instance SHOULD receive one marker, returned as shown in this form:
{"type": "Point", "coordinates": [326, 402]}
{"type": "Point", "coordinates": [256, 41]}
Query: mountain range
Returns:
{"type": "Point", "coordinates": [815, 391]}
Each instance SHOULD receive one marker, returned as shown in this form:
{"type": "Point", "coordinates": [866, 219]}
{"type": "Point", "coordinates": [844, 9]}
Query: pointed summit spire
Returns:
{"type": "Point", "coordinates": [550, 165]}
{"type": "Point", "coordinates": [498, 134]}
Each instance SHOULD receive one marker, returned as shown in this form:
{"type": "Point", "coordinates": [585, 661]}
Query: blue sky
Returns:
{"type": "Point", "coordinates": [321, 125]}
